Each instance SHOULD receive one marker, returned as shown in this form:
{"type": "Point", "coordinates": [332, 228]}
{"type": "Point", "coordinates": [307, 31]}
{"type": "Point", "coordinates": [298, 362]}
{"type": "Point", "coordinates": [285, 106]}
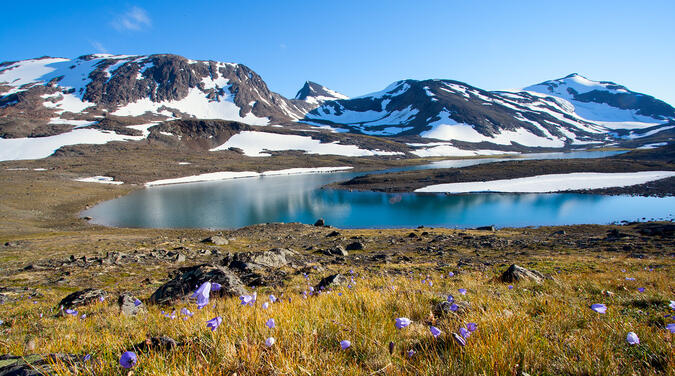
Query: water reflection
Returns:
{"type": "Point", "coordinates": [298, 198]}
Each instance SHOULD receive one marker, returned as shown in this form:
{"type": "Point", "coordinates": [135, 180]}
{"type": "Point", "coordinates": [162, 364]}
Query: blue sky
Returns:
{"type": "Point", "coordinates": [357, 47]}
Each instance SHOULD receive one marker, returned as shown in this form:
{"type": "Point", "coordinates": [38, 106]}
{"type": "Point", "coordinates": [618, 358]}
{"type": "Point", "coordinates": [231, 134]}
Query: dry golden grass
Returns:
{"type": "Point", "coordinates": [538, 329]}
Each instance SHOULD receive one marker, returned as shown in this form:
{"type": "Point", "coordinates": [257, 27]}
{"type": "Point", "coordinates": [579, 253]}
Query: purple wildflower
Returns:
{"type": "Point", "coordinates": [87, 358]}
{"type": "Point", "coordinates": [344, 344]}
{"type": "Point", "coordinates": [450, 298]}
{"type": "Point", "coordinates": [472, 326]}
{"type": "Point", "coordinates": [71, 312]}
{"type": "Point", "coordinates": [402, 322]}
{"type": "Point", "coordinates": [671, 327]}
{"type": "Point", "coordinates": [641, 289]}
{"type": "Point", "coordinates": [186, 312]}
{"type": "Point", "coordinates": [454, 307]}
{"type": "Point", "coordinates": [84, 316]}
{"type": "Point", "coordinates": [216, 286]}
{"type": "Point", "coordinates": [462, 291]}
{"type": "Point", "coordinates": [202, 294]}
{"type": "Point", "coordinates": [451, 274]}
{"type": "Point", "coordinates": [630, 279]}
{"type": "Point", "coordinates": [434, 331]}
{"type": "Point", "coordinates": [510, 287]}
{"type": "Point", "coordinates": [599, 308]}
{"type": "Point", "coordinates": [632, 339]}
{"type": "Point", "coordinates": [273, 298]}
{"type": "Point", "coordinates": [459, 339]}
{"type": "Point", "coordinates": [270, 341]}
{"type": "Point", "coordinates": [411, 352]}
{"type": "Point", "coordinates": [137, 302]}
{"type": "Point", "coordinates": [128, 359]}
{"type": "Point", "coordinates": [672, 304]}
{"type": "Point", "coordinates": [464, 332]}
{"type": "Point", "coordinates": [214, 323]}
{"type": "Point", "coordinates": [246, 299]}
{"type": "Point", "coordinates": [270, 324]}
{"type": "Point", "coordinates": [101, 299]}
{"type": "Point", "coordinates": [266, 305]}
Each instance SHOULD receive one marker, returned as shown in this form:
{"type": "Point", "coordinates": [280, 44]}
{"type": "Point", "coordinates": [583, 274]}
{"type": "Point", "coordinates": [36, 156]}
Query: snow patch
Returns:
{"type": "Point", "coordinates": [99, 179]}
{"type": "Point", "coordinates": [448, 129]}
{"type": "Point", "coordinates": [224, 175]}
{"type": "Point", "coordinates": [197, 104]}
{"type": "Point", "coordinates": [254, 143]}
{"type": "Point", "coordinates": [42, 147]}
{"type": "Point", "coordinates": [552, 183]}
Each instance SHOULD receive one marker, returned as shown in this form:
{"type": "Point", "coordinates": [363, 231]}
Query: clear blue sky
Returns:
{"type": "Point", "coordinates": [357, 47]}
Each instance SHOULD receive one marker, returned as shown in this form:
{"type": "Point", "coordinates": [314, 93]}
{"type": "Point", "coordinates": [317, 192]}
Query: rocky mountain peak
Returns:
{"type": "Point", "coordinates": [315, 93]}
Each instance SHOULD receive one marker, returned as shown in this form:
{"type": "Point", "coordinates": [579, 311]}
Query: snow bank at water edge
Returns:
{"type": "Point", "coordinates": [552, 183]}
{"type": "Point", "coordinates": [254, 143]}
{"type": "Point", "coordinates": [224, 175]}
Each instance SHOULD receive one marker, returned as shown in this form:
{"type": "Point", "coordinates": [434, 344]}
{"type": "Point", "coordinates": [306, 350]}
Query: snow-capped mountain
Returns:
{"type": "Point", "coordinates": [53, 91]}
{"type": "Point", "coordinates": [607, 103]}
{"type": "Point", "coordinates": [454, 111]}
{"type": "Point", "coordinates": [100, 98]}
{"type": "Point", "coordinates": [314, 93]}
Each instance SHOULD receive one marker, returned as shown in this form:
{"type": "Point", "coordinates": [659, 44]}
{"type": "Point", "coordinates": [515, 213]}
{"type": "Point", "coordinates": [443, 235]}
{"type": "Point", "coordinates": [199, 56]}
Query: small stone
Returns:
{"type": "Point", "coordinates": [332, 281]}
{"type": "Point", "coordinates": [336, 251]}
{"type": "Point", "coordinates": [128, 305]}
{"type": "Point", "coordinates": [319, 222]}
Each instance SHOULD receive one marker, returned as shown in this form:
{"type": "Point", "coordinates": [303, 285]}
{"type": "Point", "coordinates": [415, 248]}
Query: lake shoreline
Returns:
{"type": "Point", "coordinates": [637, 161]}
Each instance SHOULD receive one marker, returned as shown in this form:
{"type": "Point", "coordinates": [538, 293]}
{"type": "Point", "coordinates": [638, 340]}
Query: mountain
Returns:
{"type": "Point", "coordinates": [538, 116]}
{"type": "Point", "coordinates": [314, 93]}
{"type": "Point", "coordinates": [607, 103]}
{"type": "Point", "coordinates": [102, 98]}
{"type": "Point", "coordinates": [41, 95]}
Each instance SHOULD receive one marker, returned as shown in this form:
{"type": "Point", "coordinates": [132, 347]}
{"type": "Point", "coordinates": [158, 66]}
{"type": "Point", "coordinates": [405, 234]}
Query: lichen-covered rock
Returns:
{"type": "Point", "coordinates": [83, 297]}
{"type": "Point", "coordinates": [332, 281]}
{"type": "Point", "coordinates": [274, 258]}
{"type": "Point", "coordinates": [39, 365]}
{"type": "Point", "coordinates": [130, 305]}
{"type": "Point", "coordinates": [517, 273]}
{"type": "Point", "coordinates": [186, 280]}
{"type": "Point", "coordinates": [217, 240]}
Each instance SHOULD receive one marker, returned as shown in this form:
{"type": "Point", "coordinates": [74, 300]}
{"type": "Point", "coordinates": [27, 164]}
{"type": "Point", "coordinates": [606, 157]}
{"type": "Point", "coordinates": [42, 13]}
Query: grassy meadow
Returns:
{"type": "Point", "coordinates": [536, 329]}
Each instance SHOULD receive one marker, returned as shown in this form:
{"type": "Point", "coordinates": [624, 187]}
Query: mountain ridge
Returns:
{"type": "Point", "coordinates": [48, 96]}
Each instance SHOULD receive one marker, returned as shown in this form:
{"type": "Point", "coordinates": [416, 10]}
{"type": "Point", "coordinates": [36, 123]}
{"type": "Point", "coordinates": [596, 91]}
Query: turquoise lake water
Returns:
{"type": "Point", "coordinates": [299, 198]}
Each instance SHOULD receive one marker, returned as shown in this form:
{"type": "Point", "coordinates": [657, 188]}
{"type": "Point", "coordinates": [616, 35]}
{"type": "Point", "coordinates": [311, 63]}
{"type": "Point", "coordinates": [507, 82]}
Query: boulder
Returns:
{"type": "Point", "coordinates": [487, 228]}
{"type": "Point", "coordinates": [332, 281]}
{"type": "Point", "coordinates": [274, 258]}
{"type": "Point", "coordinates": [40, 365]}
{"type": "Point", "coordinates": [517, 273]}
{"type": "Point", "coordinates": [186, 280]}
{"type": "Point", "coordinates": [355, 246]}
{"type": "Point", "coordinates": [336, 251]}
{"type": "Point", "coordinates": [217, 240]}
{"type": "Point", "coordinates": [129, 305]}
{"type": "Point", "coordinates": [319, 223]}
{"type": "Point", "coordinates": [82, 298]}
